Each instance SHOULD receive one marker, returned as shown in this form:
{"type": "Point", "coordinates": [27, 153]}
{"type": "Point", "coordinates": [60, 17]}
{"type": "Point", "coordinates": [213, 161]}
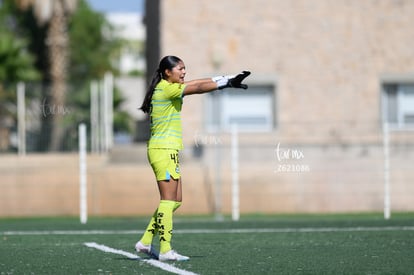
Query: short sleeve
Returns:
{"type": "Point", "coordinates": [174, 90]}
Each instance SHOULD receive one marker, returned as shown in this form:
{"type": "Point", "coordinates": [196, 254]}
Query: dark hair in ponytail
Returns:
{"type": "Point", "coordinates": [167, 63]}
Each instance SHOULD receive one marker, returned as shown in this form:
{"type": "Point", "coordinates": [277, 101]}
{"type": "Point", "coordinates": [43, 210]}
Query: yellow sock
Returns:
{"type": "Point", "coordinates": [151, 230]}
{"type": "Point", "coordinates": [165, 224]}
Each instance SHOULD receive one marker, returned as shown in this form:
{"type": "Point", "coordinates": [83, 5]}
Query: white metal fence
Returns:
{"type": "Point", "coordinates": [31, 116]}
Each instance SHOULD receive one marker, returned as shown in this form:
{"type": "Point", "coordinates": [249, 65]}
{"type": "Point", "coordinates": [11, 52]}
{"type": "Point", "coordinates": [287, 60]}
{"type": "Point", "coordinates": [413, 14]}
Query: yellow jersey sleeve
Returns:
{"type": "Point", "coordinates": [174, 90]}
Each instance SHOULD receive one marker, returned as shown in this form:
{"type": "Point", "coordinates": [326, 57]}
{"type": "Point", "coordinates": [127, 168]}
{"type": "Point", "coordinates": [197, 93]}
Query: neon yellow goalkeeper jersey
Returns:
{"type": "Point", "coordinates": [166, 130]}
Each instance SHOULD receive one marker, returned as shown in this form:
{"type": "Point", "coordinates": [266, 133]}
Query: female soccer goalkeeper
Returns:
{"type": "Point", "coordinates": [163, 102]}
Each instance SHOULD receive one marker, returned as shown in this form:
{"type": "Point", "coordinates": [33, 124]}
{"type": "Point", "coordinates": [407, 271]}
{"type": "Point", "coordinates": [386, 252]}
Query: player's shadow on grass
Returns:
{"type": "Point", "coordinates": [150, 258]}
{"type": "Point", "coordinates": [129, 259]}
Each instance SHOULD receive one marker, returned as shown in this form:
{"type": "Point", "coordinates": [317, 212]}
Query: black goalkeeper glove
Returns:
{"type": "Point", "coordinates": [236, 82]}
{"type": "Point", "coordinates": [233, 81]}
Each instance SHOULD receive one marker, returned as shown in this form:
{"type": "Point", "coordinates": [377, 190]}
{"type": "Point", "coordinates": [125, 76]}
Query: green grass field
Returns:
{"type": "Point", "coordinates": [297, 244]}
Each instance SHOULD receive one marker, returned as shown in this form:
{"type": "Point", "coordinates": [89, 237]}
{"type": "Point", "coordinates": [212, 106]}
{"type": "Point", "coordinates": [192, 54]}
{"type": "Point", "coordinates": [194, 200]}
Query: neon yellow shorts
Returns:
{"type": "Point", "coordinates": [164, 163]}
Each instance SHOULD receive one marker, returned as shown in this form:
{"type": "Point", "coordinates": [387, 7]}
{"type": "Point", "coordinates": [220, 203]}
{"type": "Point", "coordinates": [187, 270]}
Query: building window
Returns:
{"type": "Point", "coordinates": [253, 110]}
{"type": "Point", "coordinates": [398, 104]}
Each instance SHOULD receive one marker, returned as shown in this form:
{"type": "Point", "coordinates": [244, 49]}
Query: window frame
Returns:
{"type": "Point", "coordinates": [392, 84]}
{"type": "Point", "coordinates": [215, 124]}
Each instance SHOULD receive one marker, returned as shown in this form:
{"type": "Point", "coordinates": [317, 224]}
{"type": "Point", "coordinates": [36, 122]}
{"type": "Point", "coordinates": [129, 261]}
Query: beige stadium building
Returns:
{"type": "Point", "coordinates": [326, 75]}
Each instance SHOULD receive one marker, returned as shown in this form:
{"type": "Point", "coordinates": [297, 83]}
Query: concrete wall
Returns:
{"type": "Point", "coordinates": [48, 184]}
{"type": "Point", "coordinates": [326, 179]}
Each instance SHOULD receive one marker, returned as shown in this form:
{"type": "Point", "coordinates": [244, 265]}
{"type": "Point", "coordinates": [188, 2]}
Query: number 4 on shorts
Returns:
{"type": "Point", "coordinates": [174, 157]}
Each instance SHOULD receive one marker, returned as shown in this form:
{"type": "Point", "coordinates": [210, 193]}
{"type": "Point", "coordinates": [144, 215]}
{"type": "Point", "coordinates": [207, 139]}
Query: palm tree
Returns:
{"type": "Point", "coordinates": [54, 13]}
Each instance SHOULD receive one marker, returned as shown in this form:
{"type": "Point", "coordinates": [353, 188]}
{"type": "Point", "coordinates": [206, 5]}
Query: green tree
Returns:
{"type": "Point", "coordinates": [16, 64]}
{"type": "Point", "coordinates": [55, 15]}
{"type": "Point", "coordinates": [93, 46]}
{"type": "Point", "coordinates": [86, 54]}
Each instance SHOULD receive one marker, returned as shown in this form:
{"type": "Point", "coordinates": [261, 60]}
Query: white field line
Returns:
{"type": "Point", "coordinates": [105, 248]}
{"type": "Point", "coordinates": [161, 265]}
{"type": "Point", "coordinates": [214, 231]}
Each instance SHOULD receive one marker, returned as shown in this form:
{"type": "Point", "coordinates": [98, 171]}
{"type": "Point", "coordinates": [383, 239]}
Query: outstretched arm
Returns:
{"type": "Point", "coordinates": [200, 86]}
{"type": "Point", "coordinates": [206, 85]}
